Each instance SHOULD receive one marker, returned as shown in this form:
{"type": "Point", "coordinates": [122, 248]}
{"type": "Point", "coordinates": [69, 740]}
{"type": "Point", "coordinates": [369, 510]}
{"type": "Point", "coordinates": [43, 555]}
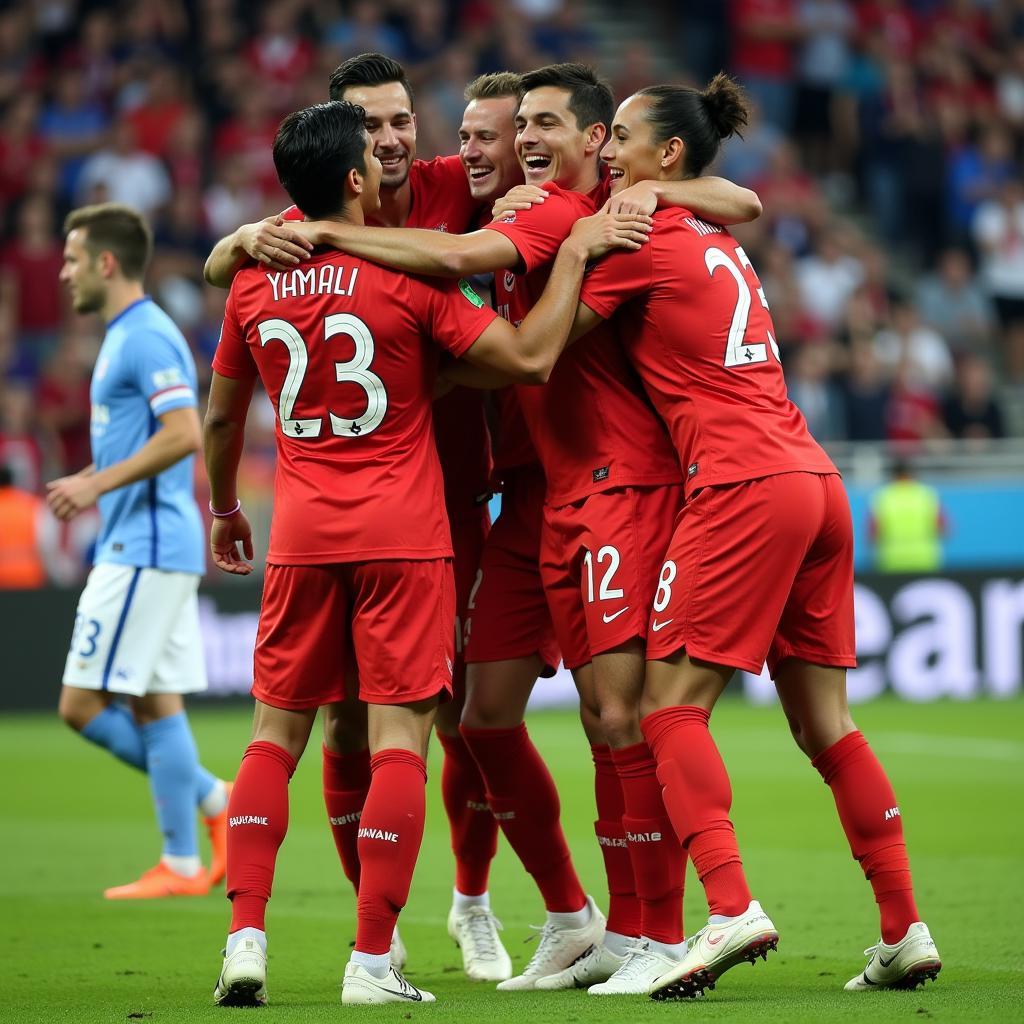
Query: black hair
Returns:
{"type": "Point", "coordinates": [314, 150]}
{"type": "Point", "coordinates": [700, 117]}
{"type": "Point", "coordinates": [590, 97]}
{"type": "Point", "coordinates": [368, 69]}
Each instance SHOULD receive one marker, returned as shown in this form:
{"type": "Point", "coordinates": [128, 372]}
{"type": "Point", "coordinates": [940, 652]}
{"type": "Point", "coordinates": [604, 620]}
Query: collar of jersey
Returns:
{"type": "Point", "coordinates": [127, 309]}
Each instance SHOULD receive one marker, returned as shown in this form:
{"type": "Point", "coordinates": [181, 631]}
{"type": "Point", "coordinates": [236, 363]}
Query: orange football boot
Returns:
{"type": "Point", "coordinates": [160, 882]}
{"type": "Point", "coordinates": [217, 830]}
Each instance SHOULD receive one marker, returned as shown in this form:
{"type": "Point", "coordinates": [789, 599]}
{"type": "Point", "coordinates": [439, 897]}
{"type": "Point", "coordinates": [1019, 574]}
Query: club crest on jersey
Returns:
{"type": "Point", "coordinates": [509, 281]}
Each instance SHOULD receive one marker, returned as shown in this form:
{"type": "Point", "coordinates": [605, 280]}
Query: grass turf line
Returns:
{"type": "Point", "coordinates": [74, 821]}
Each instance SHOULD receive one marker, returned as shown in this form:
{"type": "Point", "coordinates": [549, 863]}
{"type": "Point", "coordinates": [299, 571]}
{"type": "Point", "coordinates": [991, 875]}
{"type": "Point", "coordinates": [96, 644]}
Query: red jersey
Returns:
{"type": "Point", "coordinates": [441, 201]}
{"type": "Point", "coordinates": [592, 425]}
{"type": "Point", "coordinates": [696, 326]}
{"type": "Point", "coordinates": [344, 349]}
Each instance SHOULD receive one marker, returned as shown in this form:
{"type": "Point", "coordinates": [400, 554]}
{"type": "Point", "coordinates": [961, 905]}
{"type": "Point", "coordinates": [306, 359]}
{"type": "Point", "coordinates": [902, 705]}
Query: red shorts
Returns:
{"type": "Point", "coordinates": [507, 616]}
{"type": "Point", "coordinates": [394, 619]}
{"type": "Point", "coordinates": [469, 532]}
{"type": "Point", "coordinates": [600, 559]}
{"type": "Point", "coordinates": [759, 571]}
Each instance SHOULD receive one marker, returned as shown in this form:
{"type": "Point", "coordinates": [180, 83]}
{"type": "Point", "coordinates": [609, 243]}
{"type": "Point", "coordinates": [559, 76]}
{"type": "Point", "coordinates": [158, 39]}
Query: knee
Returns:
{"type": "Point", "coordinates": [814, 734]}
{"type": "Point", "coordinates": [485, 709]}
{"type": "Point", "coordinates": [346, 733]}
{"type": "Point", "coordinates": [620, 725]}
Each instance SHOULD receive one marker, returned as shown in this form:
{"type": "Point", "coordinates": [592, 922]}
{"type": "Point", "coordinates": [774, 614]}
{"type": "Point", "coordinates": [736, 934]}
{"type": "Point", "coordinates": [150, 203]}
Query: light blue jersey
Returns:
{"type": "Point", "coordinates": [144, 370]}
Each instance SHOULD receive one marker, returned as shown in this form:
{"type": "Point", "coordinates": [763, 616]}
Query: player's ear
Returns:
{"type": "Point", "coordinates": [354, 182]}
{"type": "Point", "coordinates": [673, 153]}
{"type": "Point", "coordinates": [106, 261]}
{"type": "Point", "coordinates": [597, 134]}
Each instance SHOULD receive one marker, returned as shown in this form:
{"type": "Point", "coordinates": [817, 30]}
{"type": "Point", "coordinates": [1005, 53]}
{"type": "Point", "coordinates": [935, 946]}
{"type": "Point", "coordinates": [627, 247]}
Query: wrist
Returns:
{"type": "Point", "coordinates": [228, 511]}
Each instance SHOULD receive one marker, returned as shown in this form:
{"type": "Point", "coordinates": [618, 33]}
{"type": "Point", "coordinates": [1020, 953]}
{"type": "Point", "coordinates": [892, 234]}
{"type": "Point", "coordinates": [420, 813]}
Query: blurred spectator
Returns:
{"type": "Point", "coordinates": [866, 398]}
{"type": "Point", "coordinates": [123, 173]}
{"type": "Point", "coordinates": [907, 524]}
{"type": "Point", "coordinates": [20, 449]}
{"type": "Point", "coordinates": [911, 348]}
{"type": "Point", "coordinates": [999, 233]}
{"type": "Point", "coordinates": [159, 111]}
{"type": "Point", "coordinates": [280, 54]}
{"type": "Point", "coordinates": [21, 146]}
{"type": "Point", "coordinates": [72, 126]}
{"type": "Point", "coordinates": [808, 378]}
{"type": "Point", "coordinates": [565, 34]}
{"type": "Point", "coordinates": [360, 28]}
{"type": "Point", "coordinates": [21, 66]}
{"type": "Point", "coordinates": [29, 288]}
{"type": "Point", "coordinates": [952, 302]}
{"type": "Point", "coordinates": [913, 413]}
{"type": "Point", "coordinates": [976, 174]}
{"type": "Point", "coordinates": [827, 26]}
{"type": "Point", "coordinates": [793, 204]}
{"type": "Point", "coordinates": [246, 138]}
{"type": "Point", "coordinates": [827, 278]}
{"type": "Point", "coordinates": [93, 53]}
{"type": "Point", "coordinates": [62, 399]}
{"type": "Point", "coordinates": [763, 36]}
{"type": "Point", "coordinates": [971, 411]}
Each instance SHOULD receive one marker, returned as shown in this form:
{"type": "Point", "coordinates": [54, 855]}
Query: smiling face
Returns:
{"type": "Point", "coordinates": [82, 275]}
{"type": "Point", "coordinates": [392, 127]}
{"type": "Point", "coordinates": [488, 150]}
{"type": "Point", "coordinates": [549, 143]}
{"type": "Point", "coordinates": [630, 152]}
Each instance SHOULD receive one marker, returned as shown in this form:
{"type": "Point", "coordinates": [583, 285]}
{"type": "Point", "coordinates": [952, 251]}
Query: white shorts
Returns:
{"type": "Point", "coordinates": [137, 632]}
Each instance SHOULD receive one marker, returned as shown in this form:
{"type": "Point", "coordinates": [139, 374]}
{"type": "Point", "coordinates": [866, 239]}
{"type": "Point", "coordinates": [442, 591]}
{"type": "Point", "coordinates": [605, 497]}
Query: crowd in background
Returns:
{"type": "Point", "coordinates": [886, 147]}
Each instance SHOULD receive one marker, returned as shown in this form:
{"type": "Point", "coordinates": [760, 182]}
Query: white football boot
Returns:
{"type": "Point", "coordinates": [557, 949]}
{"type": "Point", "coordinates": [906, 964]}
{"type": "Point", "coordinates": [641, 967]}
{"type": "Point", "coordinates": [715, 949]}
{"type": "Point", "coordinates": [361, 988]}
{"type": "Point", "coordinates": [243, 976]}
{"type": "Point", "coordinates": [475, 931]}
{"type": "Point", "coordinates": [598, 964]}
{"type": "Point", "coordinates": [399, 954]}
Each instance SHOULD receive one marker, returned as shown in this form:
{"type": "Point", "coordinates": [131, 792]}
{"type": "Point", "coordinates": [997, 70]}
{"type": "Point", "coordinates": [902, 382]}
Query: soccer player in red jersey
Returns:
{"type": "Point", "coordinates": [760, 567]}
{"type": "Point", "coordinates": [359, 563]}
{"type": "Point", "coordinates": [613, 487]}
{"type": "Point", "coordinates": [438, 195]}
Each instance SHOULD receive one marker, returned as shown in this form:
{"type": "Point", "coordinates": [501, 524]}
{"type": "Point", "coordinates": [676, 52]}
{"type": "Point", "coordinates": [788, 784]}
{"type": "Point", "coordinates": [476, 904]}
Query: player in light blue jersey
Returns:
{"type": "Point", "coordinates": [136, 631]}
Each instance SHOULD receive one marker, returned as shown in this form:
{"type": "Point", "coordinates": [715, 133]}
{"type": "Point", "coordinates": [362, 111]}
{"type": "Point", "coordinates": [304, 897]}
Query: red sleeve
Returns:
{"type": "Point", "coordinates": [292, 213]}
{"type": "Point", "coordinates": [453, 314]}
{"type": "Point", "coordinates": [616, 279]}
{"type": "Point", "coordinates": [233, 358]}
{"type": "Point", "coordinates": [539, 231]}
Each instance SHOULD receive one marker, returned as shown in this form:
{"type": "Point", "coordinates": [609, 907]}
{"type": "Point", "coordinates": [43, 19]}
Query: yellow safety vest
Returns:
{"type": "Point", "coordinates": [908, 527]}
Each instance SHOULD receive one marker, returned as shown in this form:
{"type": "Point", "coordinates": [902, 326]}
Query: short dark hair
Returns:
{"type": "Point", "coordinates": [590, 97]}
{"type": "Point", "coordinates": [118, 229]}
{"type": "Point", "coordinates": [368, 69]}
{"type": "Point", "coordinates": [494, 86]}
{"type": "Point", "coordinates": [700, 117]}
{"type": "Point", "coordinates": [314, 150]}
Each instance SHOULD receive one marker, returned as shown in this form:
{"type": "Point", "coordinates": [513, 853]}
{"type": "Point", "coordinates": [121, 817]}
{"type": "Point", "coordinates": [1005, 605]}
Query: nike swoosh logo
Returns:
{"type": "Point", "coordinates": [612, 618]}
{"type": "Point", "coordinates": [655, 626]}
{"type": "Point", "coordinates": [712, 940]}
{"type": "Point", "coordinates": [885, 963]}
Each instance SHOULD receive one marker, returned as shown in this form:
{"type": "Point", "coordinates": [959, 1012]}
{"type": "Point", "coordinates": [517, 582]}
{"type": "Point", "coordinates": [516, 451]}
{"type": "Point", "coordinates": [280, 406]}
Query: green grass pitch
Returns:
{"type": "Point", "coordinates": [73, 821]}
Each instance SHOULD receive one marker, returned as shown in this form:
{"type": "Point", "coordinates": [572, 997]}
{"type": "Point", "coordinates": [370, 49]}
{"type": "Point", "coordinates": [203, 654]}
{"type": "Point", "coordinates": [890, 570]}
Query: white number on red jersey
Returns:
{"type": "Point", "coordinates": [737, 351]}
{"type": "Point", "coordinates": [606, 591]}
{"type": "Point", "coordinates": [355, 371]}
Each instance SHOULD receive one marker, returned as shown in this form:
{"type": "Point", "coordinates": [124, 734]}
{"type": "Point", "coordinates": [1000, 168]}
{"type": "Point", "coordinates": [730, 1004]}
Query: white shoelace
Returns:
{"type": "Point", "coordinates": [635, 962]}
{"type": "Point", "coordinates": [482, 927]}
{"type": "Point", "coordinates": [549, 939]}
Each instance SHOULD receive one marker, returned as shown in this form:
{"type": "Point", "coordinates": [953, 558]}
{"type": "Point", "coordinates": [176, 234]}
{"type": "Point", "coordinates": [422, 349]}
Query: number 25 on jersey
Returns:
{"type": "Point", "coordinates": [356, 371]}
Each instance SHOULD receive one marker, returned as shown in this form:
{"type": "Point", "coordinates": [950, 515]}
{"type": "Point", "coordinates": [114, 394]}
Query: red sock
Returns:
{"type": "Point", "coordinates": [346, 780]}
{"type": "Point", "coordinates": [390, 833]}
{"type": "Point", "coordinates": [257, 823]}
{"type": "Point", "coordinates": [623, 905]}
{"type": "Point", "coordinates": [473, 828]}
{"type": "Point", "coordinates": [659, 863]}
{"type": "Point", "coordinates": [871, 820]}
{"type": "Point", "coordinates": [697, 795]}
{"type": "Point", "coordinates": [524, 800]}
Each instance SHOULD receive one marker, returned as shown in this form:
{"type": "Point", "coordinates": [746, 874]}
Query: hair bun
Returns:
{"type": "Point", "coordinates": [726, 104]}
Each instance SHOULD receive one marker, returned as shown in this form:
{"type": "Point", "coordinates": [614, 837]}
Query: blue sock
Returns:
{"type": "Point", "coordinates": [173, 766]}
{"type": "Point", "coordinates": [205, 781]}
{"type": "Point", "coordinates": [116, 730]}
